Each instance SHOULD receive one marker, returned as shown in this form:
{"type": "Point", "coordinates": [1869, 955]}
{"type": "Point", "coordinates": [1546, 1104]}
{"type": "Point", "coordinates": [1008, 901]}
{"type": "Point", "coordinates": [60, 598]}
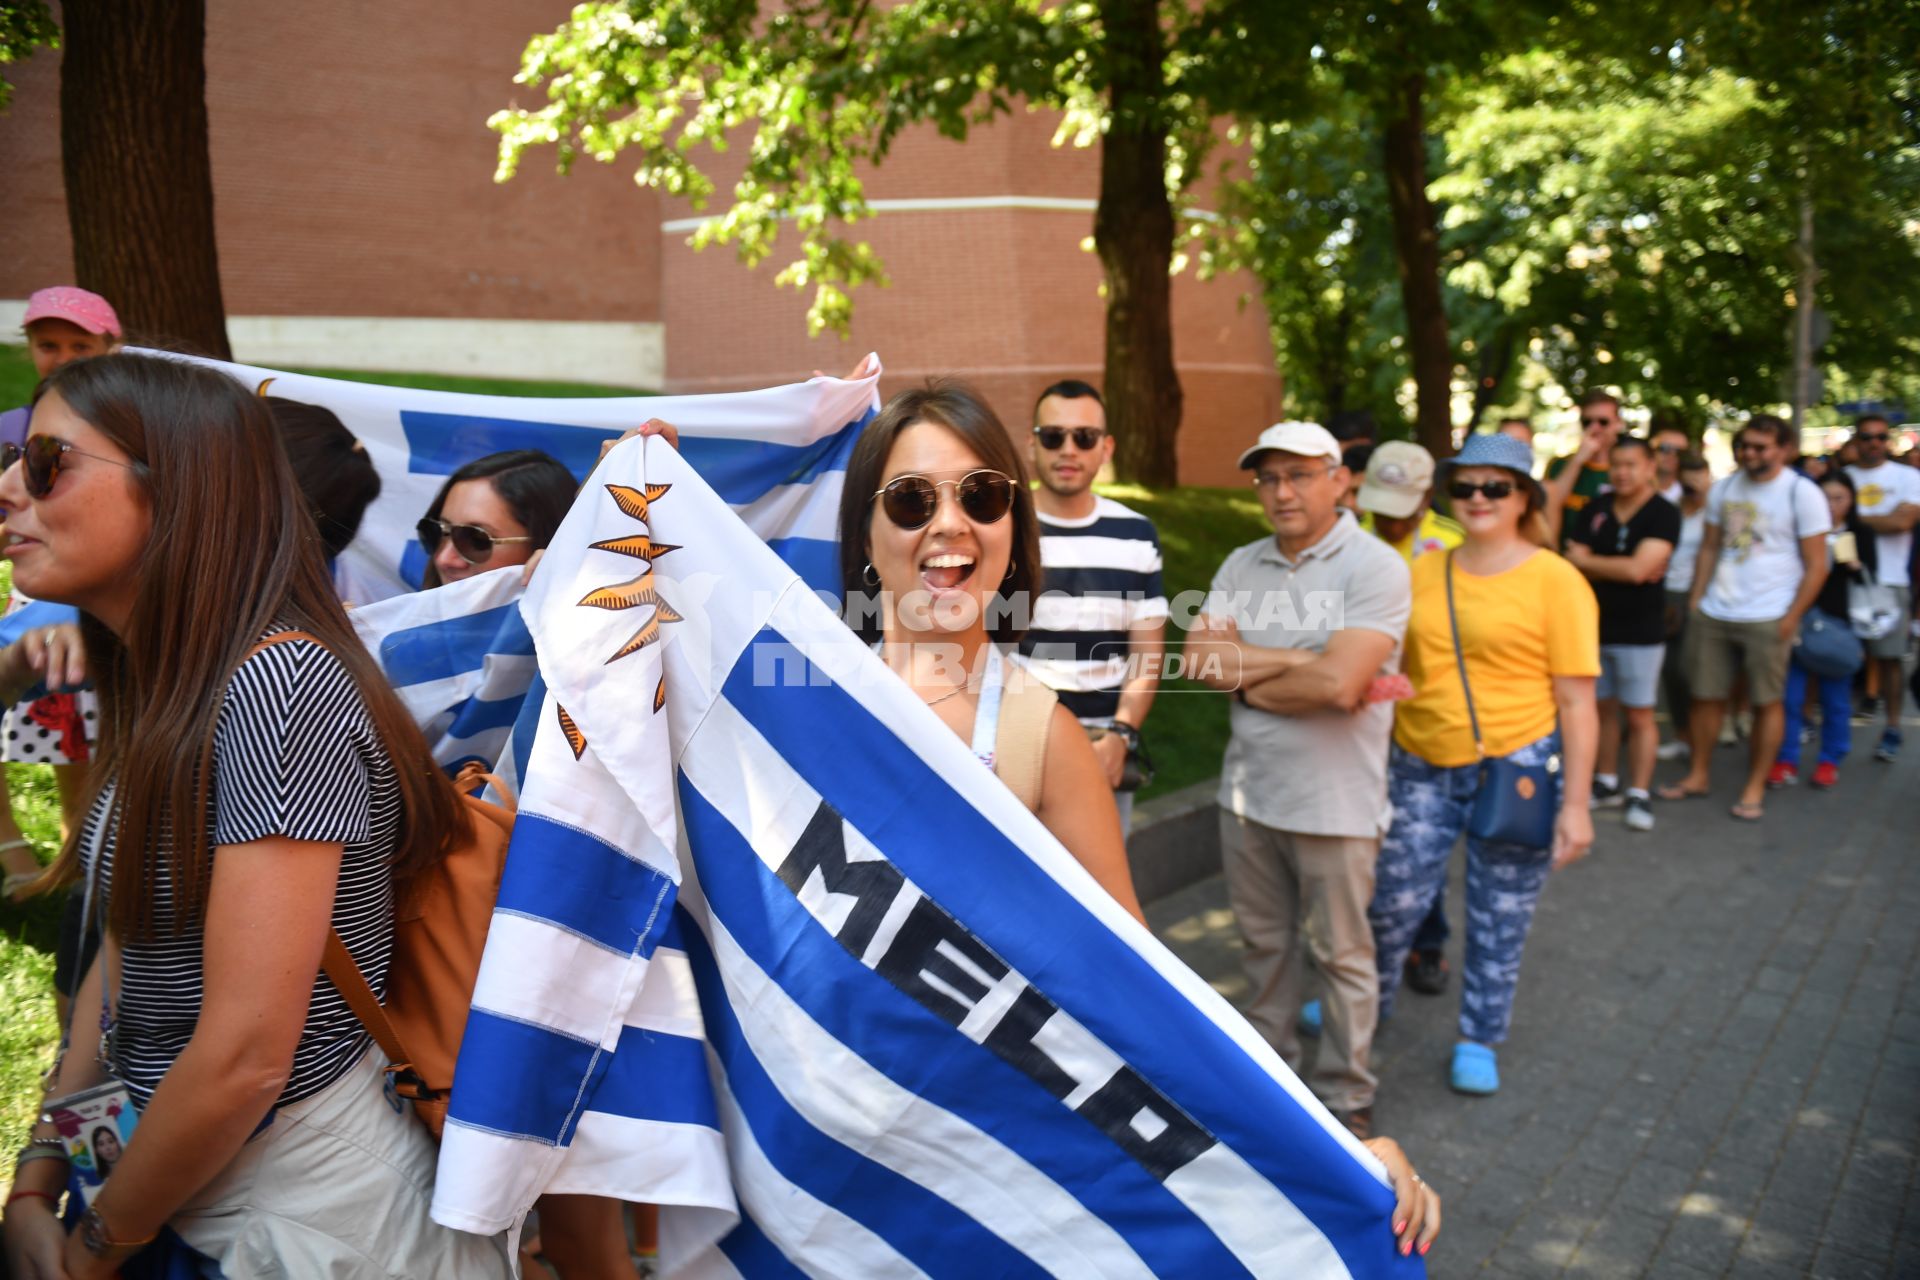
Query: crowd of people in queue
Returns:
{"type": "Point", "coordinates": [255, 786]}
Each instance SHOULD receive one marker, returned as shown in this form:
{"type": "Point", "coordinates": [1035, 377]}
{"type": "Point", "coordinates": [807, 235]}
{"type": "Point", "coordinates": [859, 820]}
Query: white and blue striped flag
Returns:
{"type": "Point", "coordinates": [775, 952]}
{"type": "Point", "coordinates": [460, 655]}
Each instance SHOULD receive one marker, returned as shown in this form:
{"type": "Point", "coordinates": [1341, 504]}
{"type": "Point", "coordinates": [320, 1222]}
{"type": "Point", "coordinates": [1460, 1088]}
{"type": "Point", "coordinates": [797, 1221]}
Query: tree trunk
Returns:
{"type": "Point", "coordinates": [1416, 248]}
{"type": "Point", "coordinates": [133, 142]}
{"type": "Point", "coordinates": [1133, 231]}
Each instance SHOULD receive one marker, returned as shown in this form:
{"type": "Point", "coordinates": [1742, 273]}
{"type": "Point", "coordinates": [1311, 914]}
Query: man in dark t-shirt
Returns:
{"type": "Point", "coordinates": [1621, 540]}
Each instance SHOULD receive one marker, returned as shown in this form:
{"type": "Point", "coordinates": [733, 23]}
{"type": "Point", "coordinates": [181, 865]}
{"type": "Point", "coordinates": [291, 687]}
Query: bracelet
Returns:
{"type": "Point", "coordinates": [95, 1240]}
{"type": "Point", "coordinates": [51, 1143]}
{"type": "Point", "coordinates": [48, 1196]}
{"type": "Point", "coordinates": [39, 1153]}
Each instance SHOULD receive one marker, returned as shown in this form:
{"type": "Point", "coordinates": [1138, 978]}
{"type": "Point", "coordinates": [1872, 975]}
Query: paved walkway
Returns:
{"type": "Point", "coordinates": [1715, 1061]}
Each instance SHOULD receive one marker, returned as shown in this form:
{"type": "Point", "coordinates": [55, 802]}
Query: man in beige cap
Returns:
{"type": "Point", "coordinates": [1395, 502]}
{"type": "Point", "coordinates": [1301, 625]}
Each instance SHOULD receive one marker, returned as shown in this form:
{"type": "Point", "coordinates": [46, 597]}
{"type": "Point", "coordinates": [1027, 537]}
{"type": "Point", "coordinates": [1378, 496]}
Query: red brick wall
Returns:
{"type": "Point", "coordinates": [353, 172]}
{"type": "Point", "coordinates": [1006, 298]}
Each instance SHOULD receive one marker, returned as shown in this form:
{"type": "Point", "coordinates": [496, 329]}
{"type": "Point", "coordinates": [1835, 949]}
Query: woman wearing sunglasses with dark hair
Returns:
{"type": "Point", "coordinates": [939, 561]}
{"type": "Point", "coordinates": [247, 799]}
{"type": "Point", "coordinates": [1511, 699]}
{"type": "Point", "coordinates": [494, 513]}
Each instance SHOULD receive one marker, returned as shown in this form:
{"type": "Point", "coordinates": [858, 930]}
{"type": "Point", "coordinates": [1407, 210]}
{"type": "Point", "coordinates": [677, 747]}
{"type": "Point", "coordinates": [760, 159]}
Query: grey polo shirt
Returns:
{"type": "Point", "coordinates": [1323, 774]}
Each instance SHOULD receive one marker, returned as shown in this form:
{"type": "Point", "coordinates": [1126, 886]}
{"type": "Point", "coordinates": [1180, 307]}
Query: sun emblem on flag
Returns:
{"type": "Point", "coordinates": [640, 592]}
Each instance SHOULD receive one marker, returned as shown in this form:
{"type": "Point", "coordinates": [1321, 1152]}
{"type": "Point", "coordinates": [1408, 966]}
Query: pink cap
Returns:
{"type": "Point", "coordinates": [74, 305]}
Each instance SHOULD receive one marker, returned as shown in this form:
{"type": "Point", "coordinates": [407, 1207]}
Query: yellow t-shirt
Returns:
{"type": "Point", "coordinates": [1519, 629]}
{"type": "Point", "coordinates": [1436, 533]}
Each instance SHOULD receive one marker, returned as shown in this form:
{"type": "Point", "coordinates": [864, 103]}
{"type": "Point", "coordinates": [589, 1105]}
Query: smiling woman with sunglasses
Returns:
{"type": "Point", "coordinates": [247, 799]}
{"type": "Point", "coordinates": [494, 513]}
{"type": "Point", "coordinates": [1502, 649]}
{"type": "Point", "coordinates": [940, 560]}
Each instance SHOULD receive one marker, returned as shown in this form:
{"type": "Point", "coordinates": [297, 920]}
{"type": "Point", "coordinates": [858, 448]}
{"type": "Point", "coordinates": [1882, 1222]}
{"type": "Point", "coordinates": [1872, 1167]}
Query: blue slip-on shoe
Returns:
{"type": "Point", "coordinates": [1889, 748]}
{"type": "Point", "coordinates": [1475, 1069]}
{"type": "Point", "coordinates": [1309, 1024]}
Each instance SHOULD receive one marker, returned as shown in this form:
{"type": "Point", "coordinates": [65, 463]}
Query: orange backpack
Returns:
{"type": "Point", "coordinates": [439, 932]}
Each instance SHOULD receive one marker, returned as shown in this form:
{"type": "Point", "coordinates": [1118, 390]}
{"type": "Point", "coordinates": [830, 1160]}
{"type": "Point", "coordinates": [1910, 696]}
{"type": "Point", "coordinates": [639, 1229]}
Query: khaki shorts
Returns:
{"type": "Point", "coordinates": [1716, 651]}
{"type": "Point", "coordinates": [1893, 645]}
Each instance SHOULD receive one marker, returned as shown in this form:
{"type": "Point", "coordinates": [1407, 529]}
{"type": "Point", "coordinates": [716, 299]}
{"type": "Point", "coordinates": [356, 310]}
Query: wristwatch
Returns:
{"type": "Point", "coordinates": [1127, 734]}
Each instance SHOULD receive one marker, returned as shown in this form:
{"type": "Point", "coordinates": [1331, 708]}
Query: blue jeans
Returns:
{"type": "Point", "coordinates": [1431, 805]}
{"type": "Point", "coordinates": [1434, 930]}
{"type": "Point", "coordinates": [1836, 716]}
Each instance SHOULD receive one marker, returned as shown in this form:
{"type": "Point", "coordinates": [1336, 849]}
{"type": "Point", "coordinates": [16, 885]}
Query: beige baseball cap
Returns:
{"type": "Point", "coordinates": [1398, 477]}
{"type": "Point", "coordinates": [1308, 439]}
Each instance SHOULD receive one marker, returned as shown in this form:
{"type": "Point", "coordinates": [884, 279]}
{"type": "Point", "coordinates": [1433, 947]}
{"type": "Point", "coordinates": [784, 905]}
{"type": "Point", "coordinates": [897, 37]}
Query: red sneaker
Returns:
{"type": "Point", "coordinates": [1825, 775]}
{"type": "Point", "coordinates": [1781, 775]}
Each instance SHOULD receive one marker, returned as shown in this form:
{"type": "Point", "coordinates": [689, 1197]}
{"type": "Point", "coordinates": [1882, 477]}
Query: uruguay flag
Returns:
{"type": "Point", "coordinates": [774, 951]}
{"type": "Point", "coordinates": [460, 656]}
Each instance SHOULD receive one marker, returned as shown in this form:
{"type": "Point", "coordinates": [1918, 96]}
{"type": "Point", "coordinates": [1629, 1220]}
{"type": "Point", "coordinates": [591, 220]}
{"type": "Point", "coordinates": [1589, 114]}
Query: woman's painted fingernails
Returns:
{"type": "Point", "coordinates": [1398, 1227]}
{"type": "Point", "coordinates": [1423, 1248]}
{"type": "Point", "coordinates": [1406, 1248]}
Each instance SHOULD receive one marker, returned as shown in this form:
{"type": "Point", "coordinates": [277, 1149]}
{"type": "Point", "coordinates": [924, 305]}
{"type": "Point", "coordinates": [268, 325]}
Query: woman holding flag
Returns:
{"type": "Point", "coordinates": [940, 558]}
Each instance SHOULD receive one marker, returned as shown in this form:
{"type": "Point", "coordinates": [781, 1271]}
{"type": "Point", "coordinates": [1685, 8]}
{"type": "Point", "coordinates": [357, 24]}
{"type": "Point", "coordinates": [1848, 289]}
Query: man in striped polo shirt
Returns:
{"type": "Point", "coordinates": [1099, 628]}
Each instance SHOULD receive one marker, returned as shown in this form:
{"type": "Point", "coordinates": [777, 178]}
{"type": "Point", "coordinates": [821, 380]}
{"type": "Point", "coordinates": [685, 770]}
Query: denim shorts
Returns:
{"type": "Point", "coordinates": [1631, 673]}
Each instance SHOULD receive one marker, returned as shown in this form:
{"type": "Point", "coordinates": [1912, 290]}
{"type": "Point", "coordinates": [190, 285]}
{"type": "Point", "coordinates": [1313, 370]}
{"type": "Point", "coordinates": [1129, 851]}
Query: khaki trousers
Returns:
{"type": "Point", "coordinates": [1294, 895]}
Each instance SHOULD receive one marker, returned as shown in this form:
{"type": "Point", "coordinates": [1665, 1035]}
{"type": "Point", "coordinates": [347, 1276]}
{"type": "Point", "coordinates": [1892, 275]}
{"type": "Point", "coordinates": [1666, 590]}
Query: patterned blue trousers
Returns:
{"type": "Point", "coordinates": [1430, 809]}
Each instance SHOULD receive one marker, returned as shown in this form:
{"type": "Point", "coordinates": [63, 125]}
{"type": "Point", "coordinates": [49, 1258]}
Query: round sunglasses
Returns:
{"type": "Point", "coordinates": [43, 456]}
{"type": "Point", "coordinates": [474, 544]}
{"type": "Point", "coordinates": [910, 501]}
{"type": "Point", "coordinates": [1085, 439]}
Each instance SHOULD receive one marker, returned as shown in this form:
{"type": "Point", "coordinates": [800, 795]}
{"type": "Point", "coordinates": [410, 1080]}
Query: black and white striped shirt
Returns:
{"type": "Point", "coordinates": [295, 755]}
{"type": "Point", "coordinates": [1102, 579]}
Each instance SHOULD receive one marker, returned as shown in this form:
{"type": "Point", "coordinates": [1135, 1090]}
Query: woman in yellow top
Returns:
{"type": "Point", "coordinates": [1530, 641]}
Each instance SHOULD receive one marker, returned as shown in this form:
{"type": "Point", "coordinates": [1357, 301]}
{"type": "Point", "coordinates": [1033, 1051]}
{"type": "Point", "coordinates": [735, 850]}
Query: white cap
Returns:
{"type": "Point", "coordinates": [1398, 477]}
{"type": "Point", "coordinates": [1308, 439]}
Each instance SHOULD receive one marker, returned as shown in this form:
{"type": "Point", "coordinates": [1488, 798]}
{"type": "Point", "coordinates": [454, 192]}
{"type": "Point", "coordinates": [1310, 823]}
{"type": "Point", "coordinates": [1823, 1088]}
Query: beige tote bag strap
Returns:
{"type": "Point", "coordinates": [1020, 746]}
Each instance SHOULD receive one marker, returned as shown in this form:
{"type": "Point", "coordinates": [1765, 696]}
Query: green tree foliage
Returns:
{"type": "Point", "coordinates": [24, 26]}
{"type": "Point", "coordinates": [791, 103]}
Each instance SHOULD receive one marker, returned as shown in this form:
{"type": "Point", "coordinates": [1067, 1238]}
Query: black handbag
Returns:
{"type": "Point", "coordinates": [1515, 803]}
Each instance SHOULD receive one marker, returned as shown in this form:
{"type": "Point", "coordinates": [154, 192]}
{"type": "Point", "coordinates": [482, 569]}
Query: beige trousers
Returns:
{"type": "Point", "coordinates": [337, 1186]}
{"type": "Point", "coordinates": [1294, 895]}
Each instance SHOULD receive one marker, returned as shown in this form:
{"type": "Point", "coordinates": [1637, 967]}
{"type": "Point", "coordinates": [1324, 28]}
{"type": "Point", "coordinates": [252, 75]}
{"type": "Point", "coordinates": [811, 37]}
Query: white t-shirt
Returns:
{"type": "Point", "coordinates": [1686, 551]}
{"type": "Point", "coordinates": [1878, 493]}
{"type": "Point", "coordinates": [1761, 524]}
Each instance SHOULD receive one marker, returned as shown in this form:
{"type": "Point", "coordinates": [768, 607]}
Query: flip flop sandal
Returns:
{"type": "Point", "coordinates": [1747, 812]}
{"type": "Point", "coordinates": [1675, 791]}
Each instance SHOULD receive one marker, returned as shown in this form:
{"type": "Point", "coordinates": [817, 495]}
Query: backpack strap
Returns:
{"type": "Point", "coordinates": [1020, 746]}
{"type": "Point", "coordinates": [344, 972]}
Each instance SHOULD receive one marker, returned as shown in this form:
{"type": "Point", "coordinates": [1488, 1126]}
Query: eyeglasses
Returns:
{"type": "Point", "coordinates": [474, 544]}
{"type": "Point", "coordinates": [1495, 490]}
{"type": "Point", "coordinates": [43, 456]}
{"type": "Point", "coordinates": [1752, 446]}
{"type": "Point", "coordinates": [910, 501]}
{"type": "Point", "coordinates": [1084, 438]}
{"type": "Point", "coordinates": [1296, 480]}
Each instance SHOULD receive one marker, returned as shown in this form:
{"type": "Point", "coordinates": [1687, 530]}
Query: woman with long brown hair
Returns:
{"type": "Point", "coordinates": [246, 800]}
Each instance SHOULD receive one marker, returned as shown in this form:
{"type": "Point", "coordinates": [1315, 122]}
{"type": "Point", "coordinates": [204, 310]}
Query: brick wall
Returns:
{"type": "Point", "coordinates": [353, 172]}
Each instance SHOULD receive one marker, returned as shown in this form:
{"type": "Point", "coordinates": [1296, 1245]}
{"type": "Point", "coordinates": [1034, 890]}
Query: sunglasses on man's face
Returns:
{"type": "Point", "coordinates": [1493, 489]}
{"type": "Point", "coordinates": [43, 456]}
{"type": "Point", "coordinates": [1874, 436]}
{"type": "Point", "coordinates": [910, 501]}
{"type": "Point", "coordinates": [473, 544]}
{"type": "Point", "coordinates": [1596, 422]}
{"type": "Point", "coordinates": [1085, 439]}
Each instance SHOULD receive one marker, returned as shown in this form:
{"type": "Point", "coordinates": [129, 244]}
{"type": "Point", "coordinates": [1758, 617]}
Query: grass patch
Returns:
{"type": "Point", "coordinates": [17, 382]}
{"type": "Point", "coordinates": [1187, 730]}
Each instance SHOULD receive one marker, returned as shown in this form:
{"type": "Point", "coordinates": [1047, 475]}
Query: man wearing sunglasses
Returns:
{"type": "Point", "coordinates": [1099, 629]}
{"type": "Point", "coordinates": [1762, 562]}
{"type": "Point", "coordinates": [1887, 496]}
{"type": "Point", "coordinates": [1580, 477]}
{"type": "Point", "coordinates": [1669, 445]}
{"type": "Point", "coordinates": [1301, 625]}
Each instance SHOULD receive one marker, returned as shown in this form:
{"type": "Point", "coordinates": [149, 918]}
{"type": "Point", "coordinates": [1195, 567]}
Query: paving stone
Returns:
{"type": "Point", "coordinates": [1714, 1065]}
